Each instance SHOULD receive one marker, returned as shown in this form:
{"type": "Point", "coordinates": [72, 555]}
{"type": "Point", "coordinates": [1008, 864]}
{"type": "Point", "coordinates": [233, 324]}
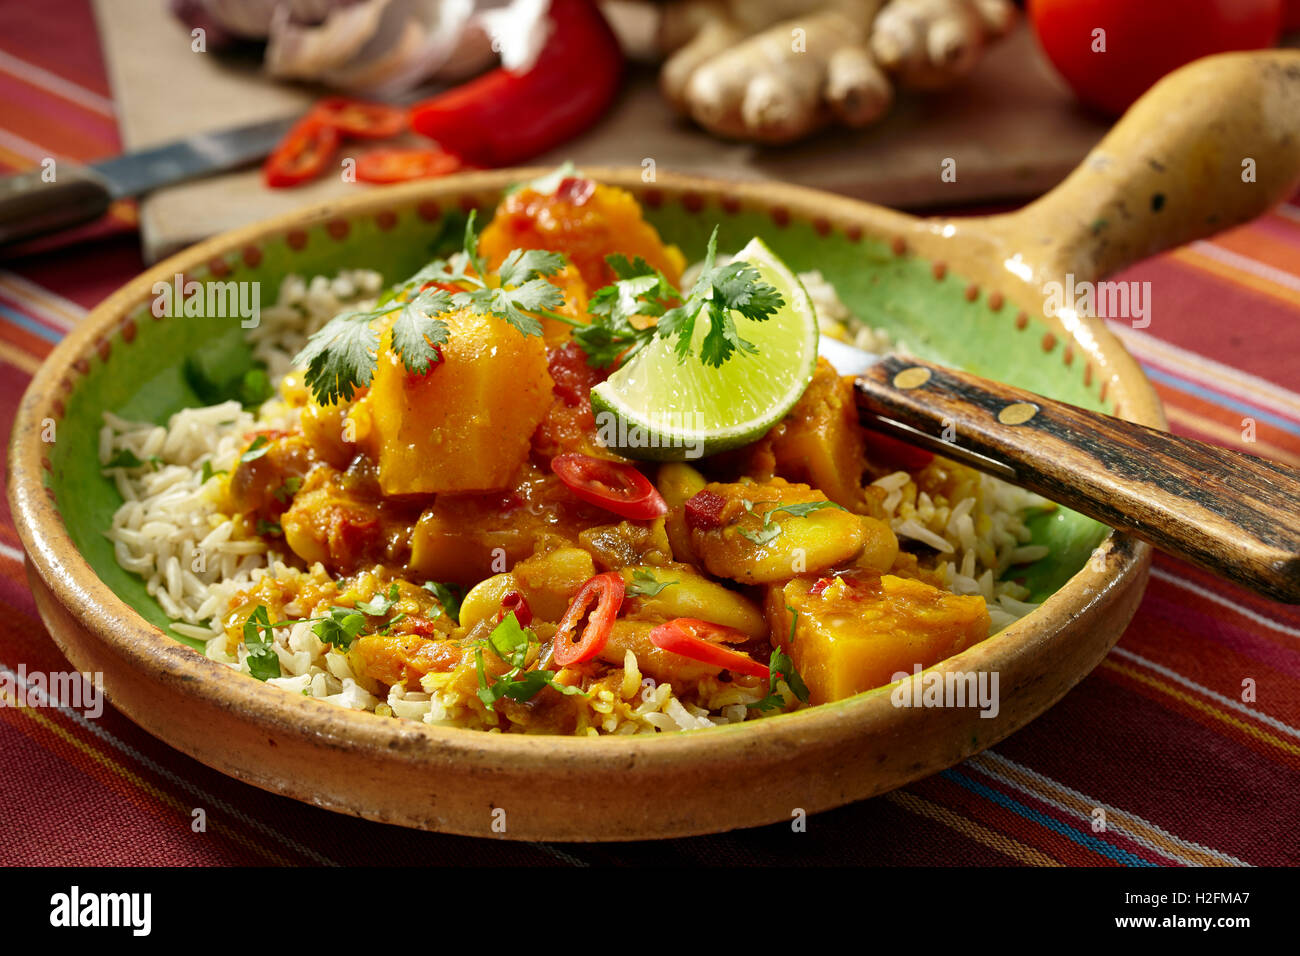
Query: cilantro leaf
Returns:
{"type": "Point", "coordinates": [341, 357]}
{"type": "Point", "coordinates": [343, 626]}
{"type": "Point", "coordinates": [510, 642]}
{"type": "Point", "coordinates": [769, 530]}
{"type": "Point", "coordinates": [448, 595]}
{"type": "Point", "coordinates": [288, 488]}
{"type": "Point", "coordinates": [763, 535]}
{"type": "Point", "coordinates": [260, 446]}
{"type": "Point", "coordinates": [640, 289]}
{"type": "Point", "coordinates": [525, 265]}
{"type": "Point", "coordinates": [379, 605]}
{"type": "Point", "coordinates": [781, 667]}
{"type": "Point", "coordinates": [417, 334]}
{"type": "Point", "coordinates": [645, 584]}
{"type": "Point", "coordinates": [262, 661]}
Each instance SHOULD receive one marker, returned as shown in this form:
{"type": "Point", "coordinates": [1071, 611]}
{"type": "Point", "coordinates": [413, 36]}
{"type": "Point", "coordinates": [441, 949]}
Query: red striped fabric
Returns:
{"type": "Point", "coordinates": [1157, 739]}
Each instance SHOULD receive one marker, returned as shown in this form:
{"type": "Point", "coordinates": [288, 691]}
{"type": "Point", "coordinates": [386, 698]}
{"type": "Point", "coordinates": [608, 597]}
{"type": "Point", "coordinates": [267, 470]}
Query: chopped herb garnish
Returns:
{"type": "Point", "coordinates": [208, 473]}
{"type": "Point", "coordinates": [510, 642]}
{"type": "Point", "coordinates": [781, 667]}
{"type": "Point", "coordinates": [343, 626]}
{"type": "Point", "coordinates": [342, 356]}
{"type": "Point", "coordinates": [449, 597]}
{"type": "Point", "coordinates": [770, 530]}
{"type": "Point", "coordinates": [643, 290]}
{"type": "Point", "coordinates": [287, 489]}
{"type": "Point", "coordinates": [269, 528]}
{"type": "Point", "coordinates": [260, 640]}
{"type": "Point", "coordinates": [260, 446]}
{"type": "Point", "coordinates": [379, 605]}
{"type": "Point", "coordinates": [639, 290]}
{"type": "Point", "coordinates": [645, 584]}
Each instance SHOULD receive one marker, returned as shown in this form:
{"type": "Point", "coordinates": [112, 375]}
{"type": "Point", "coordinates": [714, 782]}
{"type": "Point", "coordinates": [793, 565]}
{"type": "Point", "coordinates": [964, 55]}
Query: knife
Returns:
{"type": "Point", "coordinates": [1233, 514]}
{"type": "Point", "coordinates": [31, 206]}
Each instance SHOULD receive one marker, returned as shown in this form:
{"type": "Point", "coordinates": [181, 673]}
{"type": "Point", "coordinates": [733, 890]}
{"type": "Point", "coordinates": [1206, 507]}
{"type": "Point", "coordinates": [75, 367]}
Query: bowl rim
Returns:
{"type": "Point", "coordinates": [54, 556]}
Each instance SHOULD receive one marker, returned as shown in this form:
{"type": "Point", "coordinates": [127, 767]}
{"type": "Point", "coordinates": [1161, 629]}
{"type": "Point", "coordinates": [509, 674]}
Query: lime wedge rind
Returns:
{"type": "Point", "coordinates": [658, 408]}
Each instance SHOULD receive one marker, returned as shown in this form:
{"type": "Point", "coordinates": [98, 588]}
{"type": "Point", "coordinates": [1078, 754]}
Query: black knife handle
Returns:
{"type": "Point", "coordinates": [30, 206]}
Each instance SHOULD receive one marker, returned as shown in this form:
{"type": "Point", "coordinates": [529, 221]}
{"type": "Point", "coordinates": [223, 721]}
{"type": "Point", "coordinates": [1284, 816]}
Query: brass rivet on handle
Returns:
{"type": "Point", "coordinates": [1017, 414]}
{"type": "Point", "coordinates": [913, 377]}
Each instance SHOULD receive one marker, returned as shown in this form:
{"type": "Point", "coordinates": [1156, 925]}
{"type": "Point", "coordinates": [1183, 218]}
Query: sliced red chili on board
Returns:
{"type": "Point", "coordinates": [605, 592]}
{"type": "Point", "coordinates": [887, 450]}
{"type": "Point", "coordinates": [360, 119]}
{"type": "Point", "coordinates": [615, 487]}
{"type": "Point", "coordinates": [302, 154]}
{"type": "Point", "coordinates": [402, 165]}
{"type": "Point", "coordinates": [702, 641]}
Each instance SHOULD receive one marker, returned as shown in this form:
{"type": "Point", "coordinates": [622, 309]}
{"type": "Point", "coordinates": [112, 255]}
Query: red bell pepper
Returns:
{"type": "Point", "coordinates": [503, 117]}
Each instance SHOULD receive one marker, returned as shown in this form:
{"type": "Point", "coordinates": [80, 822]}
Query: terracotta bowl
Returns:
{"type": "Point", "coordinates": [966, 292]}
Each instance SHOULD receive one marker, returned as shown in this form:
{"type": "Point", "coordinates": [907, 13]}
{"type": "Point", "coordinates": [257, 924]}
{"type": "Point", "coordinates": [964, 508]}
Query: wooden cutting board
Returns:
{"type": "Point", "coordinates": [1011, 129]}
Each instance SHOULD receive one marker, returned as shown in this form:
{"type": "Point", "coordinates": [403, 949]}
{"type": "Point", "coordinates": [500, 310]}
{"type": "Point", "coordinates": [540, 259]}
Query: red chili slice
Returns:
{"type": "Point", "coordinates": [610, 485]}
{"type": "Point", "coordinates": [704, 510]}
{"type": "Point", "coordinates": [576, 189]}
{"type": "Point", "coordinates": [514, 601]}
{"type": "Point", "coordinates": [888, 450]}
{"type": "Point", "coordinates": [696, 639]}
{"type": "Point", "coordinates": [360, 119]}
{"type": "Point", "coordinates": [605, 591]}
{"type": "Point", "coordinates": [302, 154]}
{"type": "Point", "coordinates": [401, 165]}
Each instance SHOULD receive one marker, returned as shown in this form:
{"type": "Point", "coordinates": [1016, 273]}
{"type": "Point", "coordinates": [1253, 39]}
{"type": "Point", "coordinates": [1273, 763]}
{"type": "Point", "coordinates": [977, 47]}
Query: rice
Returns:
{"type": "Point", "coordinates": [195, 560]}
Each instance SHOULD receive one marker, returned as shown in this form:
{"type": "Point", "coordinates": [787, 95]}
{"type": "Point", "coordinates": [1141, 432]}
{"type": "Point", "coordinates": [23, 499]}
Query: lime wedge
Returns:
{"type": "Point", "coordinates": [655, 407]}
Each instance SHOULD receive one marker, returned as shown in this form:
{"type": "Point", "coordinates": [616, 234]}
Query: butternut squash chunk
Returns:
{"type": "Point", "coordinates": [465, 425]}
{"type": "Point", "coordinates": [859, 629]}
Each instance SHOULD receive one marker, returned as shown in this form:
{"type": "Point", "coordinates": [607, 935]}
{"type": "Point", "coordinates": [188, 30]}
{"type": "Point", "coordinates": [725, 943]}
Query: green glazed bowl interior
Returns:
{"type": "Point", "coordinates": [136, 372]}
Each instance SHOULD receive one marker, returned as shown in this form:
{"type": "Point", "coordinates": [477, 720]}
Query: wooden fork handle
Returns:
{"type": "Point", "coordinates": [1234, 514]}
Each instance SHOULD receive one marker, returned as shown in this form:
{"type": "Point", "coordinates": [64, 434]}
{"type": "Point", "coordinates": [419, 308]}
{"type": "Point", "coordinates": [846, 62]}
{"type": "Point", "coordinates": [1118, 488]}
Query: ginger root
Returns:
{"type": "Point", "coordinates": [774, 71]}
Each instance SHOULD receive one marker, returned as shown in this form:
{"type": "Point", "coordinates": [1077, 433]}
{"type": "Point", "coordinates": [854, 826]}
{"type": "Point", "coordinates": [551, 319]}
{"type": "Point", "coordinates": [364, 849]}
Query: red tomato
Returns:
{"type": "Point", "coordinates": [302, 154]}
{"type": "Point", "coordinates": [698, 640]}
{"type": "Point", "coordinates": [1144, 40]}
{"type": "Point", "coordinates": [361, 120]}
{"type": "Point", "coordinates": [401, 165]}
{"type": "Point", "coordinates": [610, 485]}
{"type": "Point", "coordinates": [606, 592]}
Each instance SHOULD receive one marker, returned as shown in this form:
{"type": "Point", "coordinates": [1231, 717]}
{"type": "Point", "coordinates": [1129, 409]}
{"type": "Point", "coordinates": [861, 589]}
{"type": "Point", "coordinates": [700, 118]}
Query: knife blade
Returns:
{"type": "Point", "coordinates": [32, 204]}
{"type": "Point", "coordinates": [60, 195]}
{"type": "Point", "coordinates": [134, 174]}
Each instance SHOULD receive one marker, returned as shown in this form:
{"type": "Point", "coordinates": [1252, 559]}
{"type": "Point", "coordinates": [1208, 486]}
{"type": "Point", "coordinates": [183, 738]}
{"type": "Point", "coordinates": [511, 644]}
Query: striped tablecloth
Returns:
{"type": "Point", "coordinates": [1158, 735]}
